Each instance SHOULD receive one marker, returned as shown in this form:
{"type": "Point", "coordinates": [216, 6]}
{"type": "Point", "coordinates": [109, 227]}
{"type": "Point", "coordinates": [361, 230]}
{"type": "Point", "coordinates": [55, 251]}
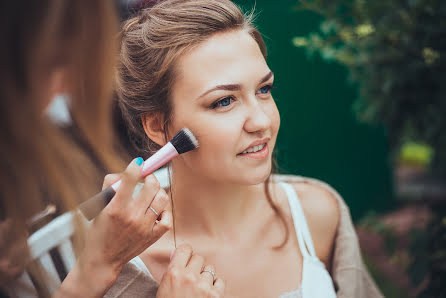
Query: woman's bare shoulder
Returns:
{"type": "Point", "coordinates": [318, 200]}
{"type": "Point", "coordinates": [321, 209]}
{"type": "Point", "coordinates": [319, 203]}
{"type": "Point", "coordinates": [322, 213]}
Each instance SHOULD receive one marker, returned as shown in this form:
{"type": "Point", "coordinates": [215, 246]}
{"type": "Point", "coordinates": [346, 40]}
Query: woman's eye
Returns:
{"type": "Point", "coordinates": [224, 102]}
{"type": "Point", "coordinates": [266, 89]}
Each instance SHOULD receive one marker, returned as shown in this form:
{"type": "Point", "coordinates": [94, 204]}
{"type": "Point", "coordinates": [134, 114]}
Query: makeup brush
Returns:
{"type": "Point", "coordinates": [184, 141]}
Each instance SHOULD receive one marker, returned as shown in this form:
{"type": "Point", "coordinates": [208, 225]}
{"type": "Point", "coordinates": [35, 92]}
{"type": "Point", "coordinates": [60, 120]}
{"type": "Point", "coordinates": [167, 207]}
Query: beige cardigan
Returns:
{"type": "Point", "coordinates": [349, 273]}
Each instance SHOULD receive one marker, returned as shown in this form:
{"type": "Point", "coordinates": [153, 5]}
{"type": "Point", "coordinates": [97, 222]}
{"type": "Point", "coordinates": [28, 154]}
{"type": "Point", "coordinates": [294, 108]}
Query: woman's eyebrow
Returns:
{"type": "Point", "coordinates": [234, 87]}
{"type": "Point", "coordinates": [266, 78]}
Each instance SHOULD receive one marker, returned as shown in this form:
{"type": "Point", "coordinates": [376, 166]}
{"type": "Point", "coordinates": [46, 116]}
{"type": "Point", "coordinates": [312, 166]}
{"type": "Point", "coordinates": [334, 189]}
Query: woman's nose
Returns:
{"type": "Point", "coordinates": [257, 119]}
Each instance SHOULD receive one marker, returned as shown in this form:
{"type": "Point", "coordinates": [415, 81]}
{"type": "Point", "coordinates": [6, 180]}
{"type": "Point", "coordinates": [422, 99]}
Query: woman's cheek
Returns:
{"type": "Point", "coordinates": [277, 117]}
{"type": "Point", "coordinates": [274, 115]}
{"type": "Point", "coordinates": [219, 135]}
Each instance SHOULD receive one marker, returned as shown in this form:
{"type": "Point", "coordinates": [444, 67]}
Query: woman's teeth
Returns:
{"type": "Point", "coordinates": [254, 149]}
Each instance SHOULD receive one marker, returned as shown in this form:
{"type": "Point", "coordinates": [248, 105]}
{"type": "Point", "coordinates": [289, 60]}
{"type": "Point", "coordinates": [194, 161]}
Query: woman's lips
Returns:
{"type": "Point", "coordinates": [257, 155]}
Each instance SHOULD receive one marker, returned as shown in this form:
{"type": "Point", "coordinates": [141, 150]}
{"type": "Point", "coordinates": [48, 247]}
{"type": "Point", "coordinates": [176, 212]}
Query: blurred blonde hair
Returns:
{"type": "Point", "coordinates": [38, 159]}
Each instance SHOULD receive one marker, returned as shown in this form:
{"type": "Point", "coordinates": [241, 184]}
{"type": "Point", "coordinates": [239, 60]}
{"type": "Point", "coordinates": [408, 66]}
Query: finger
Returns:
{"type": "Point", "coordinates": [129, 179]}
{"type": "Point", "coordinates": [158, 205]}
{"type": "Point", "coordinates": [110, 179]}
{"type": "Point", "coordinates": [148, 191]}
{"type": "Point", "coordinates": [165, 224]}
{"type": "Point", "coordinates": [196, 264]}
{"type": "Point", "coordinates": [207, 275]}
{"type": "Point", "coordinates": [181, 256]}
{"type": "Point", "coordinates": [219, 286]}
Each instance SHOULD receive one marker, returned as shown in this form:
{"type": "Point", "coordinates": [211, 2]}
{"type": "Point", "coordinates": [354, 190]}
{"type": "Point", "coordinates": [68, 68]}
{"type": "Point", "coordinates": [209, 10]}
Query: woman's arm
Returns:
{"type": "Point", "coordinates": [88, 280]}
{"type": "Point", "coordinates": [124, 229]}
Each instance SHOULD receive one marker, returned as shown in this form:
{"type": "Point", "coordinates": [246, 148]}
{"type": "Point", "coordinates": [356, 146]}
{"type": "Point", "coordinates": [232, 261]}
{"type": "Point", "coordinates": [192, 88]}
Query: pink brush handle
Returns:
{"type": "Point", "coordinates": [93, 206]}
{"type": "Point", "coordinates": [154, 162]}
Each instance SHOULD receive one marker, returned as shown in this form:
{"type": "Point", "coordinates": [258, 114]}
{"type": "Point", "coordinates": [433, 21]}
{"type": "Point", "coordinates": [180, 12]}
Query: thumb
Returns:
{"type": "Point", "coordinates": [130, 178]}
{"type": "Point", "coordinates": [109, 179]}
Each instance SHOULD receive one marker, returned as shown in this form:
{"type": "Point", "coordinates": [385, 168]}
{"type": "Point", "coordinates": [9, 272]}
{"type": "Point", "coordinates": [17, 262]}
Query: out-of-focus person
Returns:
{"type": "Point", "coordinates": [51, 47]}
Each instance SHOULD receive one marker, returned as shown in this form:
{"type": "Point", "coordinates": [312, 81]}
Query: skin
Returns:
{"type": "Point", "coordinates": [121, 231]}
{"type": "Point", "coordinates": [221, 209]}
{"type": "Point", "coordinates": [124, 229]}
{"type": "Point", "coordinates": [189, 276]}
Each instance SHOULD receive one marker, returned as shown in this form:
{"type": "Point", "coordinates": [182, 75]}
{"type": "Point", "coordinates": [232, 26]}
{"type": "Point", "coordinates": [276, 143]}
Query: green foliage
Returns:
{"type": "Point", "coordinates": [415, 154]}
{"type": "Point", "coordinates": [428, 249]}
{"type": "Point", "coordinates": [425, 256]}
{"type": "Point", "coordinates": [373, 223]}
{"type": "Point", "coordinates": [387, 286]}
{"type": "Point", "coordinates": [418, 248]}
{"type": "Point", "coordinates": [396, 51]}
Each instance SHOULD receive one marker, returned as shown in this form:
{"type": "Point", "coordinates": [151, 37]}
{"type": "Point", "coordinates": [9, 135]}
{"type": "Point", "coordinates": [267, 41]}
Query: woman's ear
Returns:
{"type": "Point", "coordinates": [153, 126]}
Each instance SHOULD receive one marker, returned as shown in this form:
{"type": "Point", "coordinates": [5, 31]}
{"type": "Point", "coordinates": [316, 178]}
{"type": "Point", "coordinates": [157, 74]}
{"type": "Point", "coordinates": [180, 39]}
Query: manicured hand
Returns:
{"type": "Point", "coordinates": [125, 228]}
{"type": "Point", "coordinates": [188, 275]}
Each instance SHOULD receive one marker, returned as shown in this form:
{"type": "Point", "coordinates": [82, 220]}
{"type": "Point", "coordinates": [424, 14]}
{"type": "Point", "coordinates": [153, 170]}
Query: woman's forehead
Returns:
{"type": "Point", "coordinates": [224, 58]}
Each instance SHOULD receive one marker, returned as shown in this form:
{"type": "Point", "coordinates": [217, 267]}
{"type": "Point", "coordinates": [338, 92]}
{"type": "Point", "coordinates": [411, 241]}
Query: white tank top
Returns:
{"type": "Point", "coordinates": [316, 282]}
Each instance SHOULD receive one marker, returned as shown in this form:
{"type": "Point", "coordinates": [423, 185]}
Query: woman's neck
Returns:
{"type": "Point", "coordinates": [212, 208]}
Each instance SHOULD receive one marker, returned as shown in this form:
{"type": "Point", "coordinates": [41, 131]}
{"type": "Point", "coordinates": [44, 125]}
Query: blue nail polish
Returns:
{"type": "Point", "coordinates": [139, 161]}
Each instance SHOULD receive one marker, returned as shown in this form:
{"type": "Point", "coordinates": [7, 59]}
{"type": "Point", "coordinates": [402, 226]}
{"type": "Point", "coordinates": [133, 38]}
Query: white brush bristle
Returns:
{"type": "Point", "coordinates": [191, 136]}
{"type": "Point", "coordinates": [184, 141]}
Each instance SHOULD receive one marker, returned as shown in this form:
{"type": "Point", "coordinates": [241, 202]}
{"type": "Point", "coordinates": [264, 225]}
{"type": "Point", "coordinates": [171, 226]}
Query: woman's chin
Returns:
{"type": "Point", "coordinates": [256, 177]}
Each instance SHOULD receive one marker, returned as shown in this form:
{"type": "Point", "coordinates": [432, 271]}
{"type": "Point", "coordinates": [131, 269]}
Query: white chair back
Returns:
{"type": "Point", "coordinates": [50, 246]}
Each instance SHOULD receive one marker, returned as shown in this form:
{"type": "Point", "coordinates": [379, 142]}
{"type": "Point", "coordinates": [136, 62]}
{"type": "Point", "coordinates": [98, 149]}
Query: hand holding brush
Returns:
{"type": "Point", "coordinates": [184, 141]}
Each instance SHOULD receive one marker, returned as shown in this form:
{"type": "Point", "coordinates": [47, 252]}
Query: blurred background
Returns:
{"type": "Point", "coordinates": [361, 89]}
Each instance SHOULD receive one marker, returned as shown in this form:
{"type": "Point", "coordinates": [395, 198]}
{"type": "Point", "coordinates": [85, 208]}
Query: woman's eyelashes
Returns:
{"type": "Point", "coordinates": [227, 101]}
{"type": "Point", "coordinates": [266, 89]}
{"type": "Point", "coordinates": [223, 103]}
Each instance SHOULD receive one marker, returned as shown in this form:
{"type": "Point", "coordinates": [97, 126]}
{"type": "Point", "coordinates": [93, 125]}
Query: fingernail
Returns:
{"type": "Point", "coordinates": [171, 254]}
{"type": "Point", "coordinates": [139, 161]}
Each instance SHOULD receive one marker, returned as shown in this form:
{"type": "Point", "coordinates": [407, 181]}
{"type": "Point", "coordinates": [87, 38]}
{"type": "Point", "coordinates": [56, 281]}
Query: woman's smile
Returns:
{"type": "Point", "coordinates": [222, 92]}
{"type": "Point", "coordinates": [256, 152]}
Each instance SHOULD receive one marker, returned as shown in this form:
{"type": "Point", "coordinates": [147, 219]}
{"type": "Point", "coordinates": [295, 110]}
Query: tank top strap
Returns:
{"type": "Point", "coordinates": [300, 223]}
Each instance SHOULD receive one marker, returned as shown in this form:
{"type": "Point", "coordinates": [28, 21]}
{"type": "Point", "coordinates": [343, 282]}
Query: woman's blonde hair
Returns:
{"type": "Point", "coordinates": [37, 159]}
{"type": "Point", "coordinates": [152, 42]}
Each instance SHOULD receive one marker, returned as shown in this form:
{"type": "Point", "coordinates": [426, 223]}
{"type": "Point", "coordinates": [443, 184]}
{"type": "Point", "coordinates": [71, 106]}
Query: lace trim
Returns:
{"type": "Point", "coordinates": [293, 294]}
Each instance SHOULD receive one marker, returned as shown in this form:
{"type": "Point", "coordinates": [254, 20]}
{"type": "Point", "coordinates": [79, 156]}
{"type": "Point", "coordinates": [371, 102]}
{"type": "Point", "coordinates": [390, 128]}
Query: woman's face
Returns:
{"type": "Point", "coordinates": [222, 93]}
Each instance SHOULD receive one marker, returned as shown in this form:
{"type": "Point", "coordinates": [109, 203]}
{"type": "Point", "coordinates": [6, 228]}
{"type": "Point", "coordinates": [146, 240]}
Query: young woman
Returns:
{"type": "Point", "coordinates": [201, 64]}
{"type": "Point", "coordinates": [48, 47]}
